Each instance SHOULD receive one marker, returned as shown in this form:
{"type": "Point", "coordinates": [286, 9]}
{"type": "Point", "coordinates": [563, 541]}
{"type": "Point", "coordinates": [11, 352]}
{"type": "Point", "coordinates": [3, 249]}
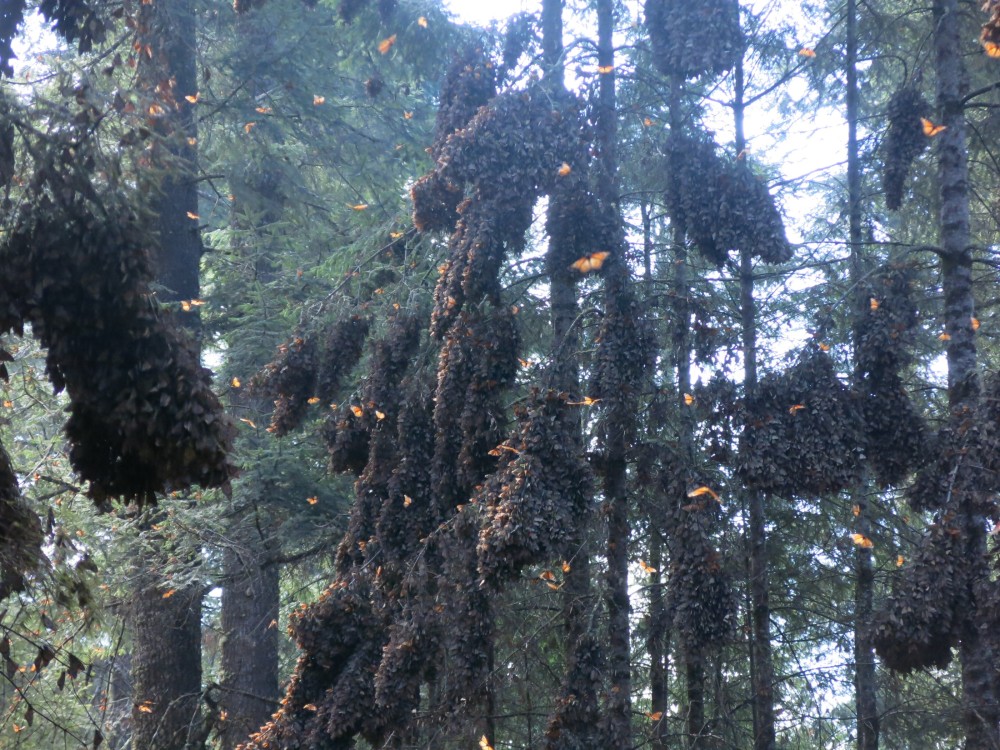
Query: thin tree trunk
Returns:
{"type": "Point", "coordinates": [552, 43]}
{"type": "Point", "coordinates": [693, 653]}
{"type": "Point", "coordinates": [619, 707]}
{"type": "Point", "coordinates": [980, 713]}
{"type": "Point", "coordinates": [656, 633]}
{"type": "Point", "coordinates": [166, 630]}
{"type": "Point", "coordinates": [169, 77]}
{"type": "Point", "coordinates": [761, 659]}
{"type": "Point", "coordinates": [251, 593]}
{"type": "Point", "coordinates": [250, 599]}
{"type": "Point", "coordinates": [577, 591]}
{"type": "Point", "coordinates": [112, 699]}
{"type": "Point", "coordinates": [656, 644]}
{"type": "Point", "coordinates": [865, 694]}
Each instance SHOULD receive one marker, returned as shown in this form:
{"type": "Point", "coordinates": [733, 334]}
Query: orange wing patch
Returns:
{"type": "Point", "coordinates": [591, 262]}
{"type": "Point", "coordinates": [930, 129]}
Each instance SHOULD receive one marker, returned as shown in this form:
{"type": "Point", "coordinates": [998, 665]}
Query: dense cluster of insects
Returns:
{"type": "Point", "coordinates": [692, 39]}
{"type": "Point", "coordinates": [142, 415]}
{"type": "Point", "coordinates": [721, 205]}
{"type": "Point", "coordinates": [904, 141]}
{"type": "Point", "coordinates": [457, 493]}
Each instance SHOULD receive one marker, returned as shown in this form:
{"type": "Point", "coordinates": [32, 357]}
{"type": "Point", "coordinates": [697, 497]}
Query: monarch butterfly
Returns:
{"type": "Point", "coordinates": [386, 44]}
{"type": "Point", "coordinates": [930, 129]}
{"type": "Point", "coordinates": [862, 541]}
{"type": "Point", "coordinates": [590, 262]}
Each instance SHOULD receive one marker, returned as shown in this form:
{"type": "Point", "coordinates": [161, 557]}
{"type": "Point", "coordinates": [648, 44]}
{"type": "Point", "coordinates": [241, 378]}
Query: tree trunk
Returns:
{"type": "Point", "coordinates": [865, 695]}
{"type": "Point", "coordinates": [656, 644]}
{"type": "Point", "coordinates": [166, 630]}
{"type": "Point", "coordinates": [169, 77]}
{"type": "Point", "coordinates": [552, 43]}
{"type": "Point", "coordinates": [619, 705]}
{"type": "Point", "coordinates": [112, 700]}
{"type": "Point", "coordinates": [166, 664]}
{"type": "Point", "coordinates": [980, 713]}
{"type": "Point", "coordinates": [761, 660]}
{"type": "Point", "coordinates": [250, 599]}
{"type": "Point", "coordinates": [693, 653]}
{"type": "Point", "coordinates": [656, 633]}
{"type": "Point", "coordinates": [577, 591]}
{"type": "Point", "coordinates": [565, 377]}
{"type": "Point", "coordinates": [251, 593]}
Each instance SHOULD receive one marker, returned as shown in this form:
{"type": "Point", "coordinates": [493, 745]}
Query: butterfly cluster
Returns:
{"type": "Point", "coordinates": [142, 415]}
{"type": "Point", "coordinates": [813, 450]}
{"type": "Point", "coordinates": [694, 37]}
{"type": "Point", "coordinates": [720, 204]}
{"type": "Point", "coordinates": [905, 139]}
{"type": "Point", "coordinates": [452, 501]}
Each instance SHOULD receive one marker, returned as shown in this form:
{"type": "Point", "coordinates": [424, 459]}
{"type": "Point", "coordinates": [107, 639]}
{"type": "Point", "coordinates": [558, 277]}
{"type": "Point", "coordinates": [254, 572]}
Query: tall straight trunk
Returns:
{"type": "Point", "coordinates": [619, 706]}
{"type": "Point", "coordinates": [251, 595]}
{"type": "Point", "coordinates": [250, 599]}
{"type": "Point", "coordinates": [166, 664]}
{"type": "Point", "coordinates": [577, 585]}
{"type": "Point", "coordinates": [656, 631]}
{"type": "Point", "coordinates": [761, 658]}
{"type": "Point", "coordinates": [865, 694]}
{"type": "Point", "coordinates": [552, 43]}
{"type": "Point", "coordinates": [112, 699]}
{"type": "Point", "coordinates": [693, 653]}
{"type": "Point", "coordinates": [656, 644]}
{"type": "Point", "coordinates": [166, 630]}
{"type": "Point", "coordinates": [980, 712]}
{"type": "Point", "coordinates": [170, 76]}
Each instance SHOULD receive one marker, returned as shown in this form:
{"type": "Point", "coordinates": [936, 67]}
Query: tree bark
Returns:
{"type": "Point", "coordinates": [250, 599]}
{"type": "Point", "coordinates": [552, 43]}
{"type": "Point", "coordinates": [166, 630]}
{"type": "Point", "coordinates": [577, 593]}
{"type": "Point", "coordinates": [761, 659]}
{"type": "Point", "coordinates": [865, 695]}
{"type": "Point", "coordinates": [693, 653]}
{"type": "Point", "coordinates": [657, 636]}
{"type": "Point", "coordinates": [169, 77]}
{"type": "Point", "coordinates": [656, 644]}
{"type": "Point", "coordinates": [249, 689]}
{"type": "Point", "coordinates": [980, 712]}
{"type": "Point", "coordinates": [619, 704]}
{"type": "Point", "coordinates": [112, 700]}
{"type": "Point", "coordinates": [166, 664]}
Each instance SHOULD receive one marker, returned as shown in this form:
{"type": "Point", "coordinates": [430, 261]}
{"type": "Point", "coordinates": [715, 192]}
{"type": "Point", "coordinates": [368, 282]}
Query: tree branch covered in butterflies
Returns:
{"type": "Point", "coordinates": [457, 494]}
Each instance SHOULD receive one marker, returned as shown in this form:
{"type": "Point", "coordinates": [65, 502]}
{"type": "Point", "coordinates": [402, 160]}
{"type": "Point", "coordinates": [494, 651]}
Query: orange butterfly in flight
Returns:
{"type": "Point", "coordinates": [590, 262]}
{"type": "Point", "coordinates": [386, 44]}
{"type": "Point", "coordinates": [930, 129]}
{"type": "Point", "coordinates": [862, 541]}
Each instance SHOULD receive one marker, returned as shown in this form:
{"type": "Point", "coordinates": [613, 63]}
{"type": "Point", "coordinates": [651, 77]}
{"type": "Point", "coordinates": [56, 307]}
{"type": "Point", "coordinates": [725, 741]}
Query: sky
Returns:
{"type": "Point", "coordinates": [480, 12]}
